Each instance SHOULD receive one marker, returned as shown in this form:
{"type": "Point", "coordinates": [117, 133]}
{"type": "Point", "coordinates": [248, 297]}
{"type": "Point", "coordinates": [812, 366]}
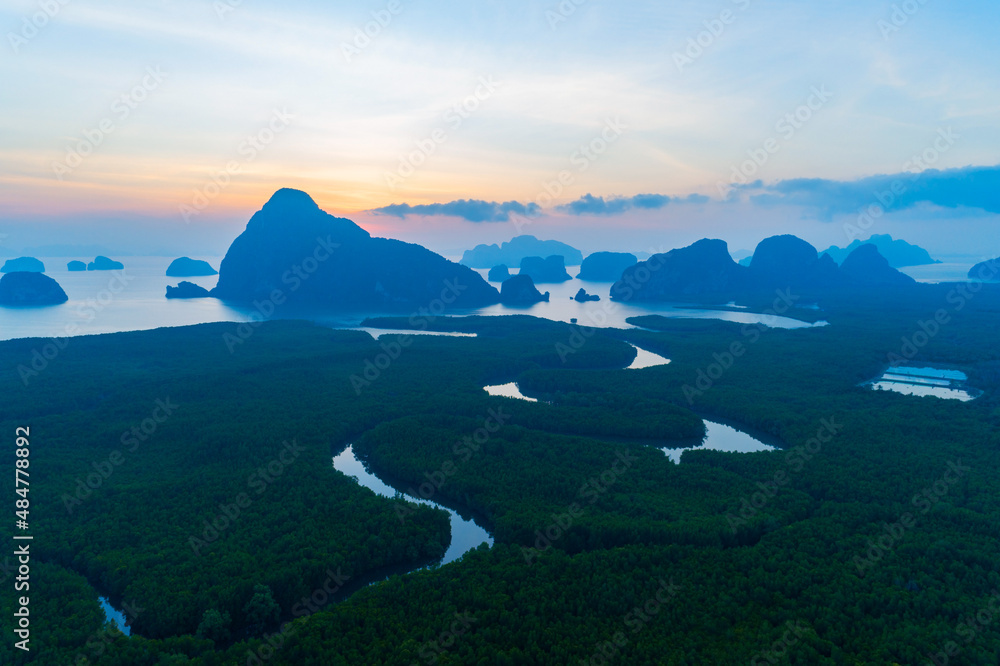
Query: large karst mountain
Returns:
{"type": "Point", "coordinates": [706, 270]}
{"type": "Point", "coordinates": [295, 250]}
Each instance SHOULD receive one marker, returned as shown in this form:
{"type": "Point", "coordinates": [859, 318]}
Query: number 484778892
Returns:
{"type": "Point", "coordinates": [21, 477]}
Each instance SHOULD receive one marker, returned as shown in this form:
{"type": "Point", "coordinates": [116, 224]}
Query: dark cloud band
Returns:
{"type": "Point", "coordinates": [588, 204]}
{"type": "Point", "coordinates": [471, 210]}
{"type": "Point", "coordinates": [972, 187]}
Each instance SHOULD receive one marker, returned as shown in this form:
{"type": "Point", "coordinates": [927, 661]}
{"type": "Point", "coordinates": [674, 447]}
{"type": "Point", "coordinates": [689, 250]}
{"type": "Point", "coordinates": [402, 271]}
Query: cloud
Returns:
{"type": "Point", "coordinates": [472, 210]}
{"type": "Point", "coordinates": [588, 204]}
{"type": "Point", "coordinates": [972, 187]}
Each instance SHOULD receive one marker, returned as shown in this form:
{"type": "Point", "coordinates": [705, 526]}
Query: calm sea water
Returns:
{"type": "Point", "coordinates": [135, 299]}
{"type": "Point", "coordinates": [944, 272]}
{"type": "Point", "coordinates": [113, 301]}
{"type": "Point", "coordinates": [608, 313]}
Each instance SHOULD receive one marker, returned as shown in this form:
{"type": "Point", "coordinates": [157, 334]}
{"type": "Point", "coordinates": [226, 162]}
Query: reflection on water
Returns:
{"type": "Point", "coordinates": [465, 534]}
{"type": "Point", "coordinates": [720, 437]}
{"type": "Point", "coordinates": [379, 332]}
{"type": "Point", "coordinates": [916, 373]}
{"type": "Point", "coordinates": [607, 313]}
{"type": "Point", "coordinates": [936, 382]}
{"type": "Point", "coordinates": [113, 615]}
{"type": "Point", "coordinates": [890, 377]}
{"type": "Point", "coordinates": [914, 389]}
{"type": "Point", "coordinates": [132, 299]}
{"type": "Point", "coordinates": [932, 273]}
{"type": "Point", "coordinates": [646, 359]}
{"type": "Point", "coordinates": [135, 299]}
{"type": "Point", "coordinates": [507, 391]}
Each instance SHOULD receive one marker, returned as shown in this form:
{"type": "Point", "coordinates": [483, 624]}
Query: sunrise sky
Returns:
{"type": "Point", "coordinates": [163, 125]}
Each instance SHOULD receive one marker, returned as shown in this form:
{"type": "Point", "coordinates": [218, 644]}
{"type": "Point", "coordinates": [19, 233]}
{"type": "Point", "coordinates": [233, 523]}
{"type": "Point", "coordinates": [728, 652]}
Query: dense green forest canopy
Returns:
{"type": "Point", "coordinates": [195, 485]}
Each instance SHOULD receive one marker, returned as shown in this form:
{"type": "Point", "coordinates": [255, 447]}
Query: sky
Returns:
{"type": "Point", "coordinates": [162, 126]}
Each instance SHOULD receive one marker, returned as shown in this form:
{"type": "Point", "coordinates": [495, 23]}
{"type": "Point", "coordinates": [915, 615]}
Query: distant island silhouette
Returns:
{"type": "Point", "coordinates": [102, 263]}
{"type": "Point", "coordinates": [187, 290]}
{"type": "Point", "coordinates": [23, 264]}
{"type": "Point", "coordinates": [606, 266]}
{"type": "Point", "coordinates": [520, 290]}
{"type": "Point", "coordinates": [498, 273]}
{"type": "Point", "coordinates": [549, 269]}
{"type": "Point", "coordinates": [705, 270]}
{"type": "Point", "coordinates": [187, 267]}
{"type": "Point", "coordinates": [25, 288]}
{"type": "Point", "coordinates": [293, 251]}
{"type": "Point", "coordinates": [986, 271]}
{"type": "Point", "coordinates": [515, 250]}
{"type": "Point", "coordinates": [898, 253]}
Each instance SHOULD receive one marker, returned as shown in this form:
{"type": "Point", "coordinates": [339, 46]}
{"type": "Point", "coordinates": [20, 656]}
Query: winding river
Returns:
{"type": "Point", "coordinates": [718, 436]}
{"type": "Point", "coordinates": [465, 533]}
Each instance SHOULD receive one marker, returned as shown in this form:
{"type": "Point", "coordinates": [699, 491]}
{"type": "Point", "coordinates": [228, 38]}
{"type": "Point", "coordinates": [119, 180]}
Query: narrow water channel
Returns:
{"type": "Point", "coordinates": [721, 437]}
{"type": "Point", "coordinates": [646, 359]}
{"type": "Point", "coordinates": [114, 615]}
{"type": "Point", "coordinates": [465, 534]}
{"type": "Point", "coordinates": [718, 436]}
